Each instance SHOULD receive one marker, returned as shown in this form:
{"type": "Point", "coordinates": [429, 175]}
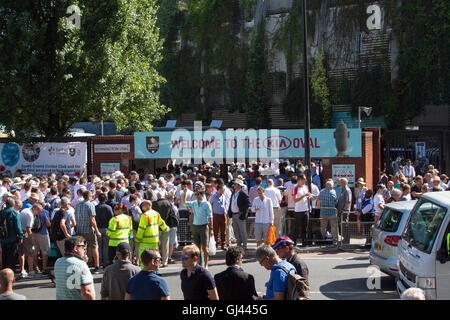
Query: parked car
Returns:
{"type": "Point", "coordinates": [386, 235]}
{"type": "Point", "coordinates": [424, 248]}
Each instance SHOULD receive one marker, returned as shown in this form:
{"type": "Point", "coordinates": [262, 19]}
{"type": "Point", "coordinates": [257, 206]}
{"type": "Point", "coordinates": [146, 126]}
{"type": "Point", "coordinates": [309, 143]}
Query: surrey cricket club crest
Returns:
{"type": "Point", "coordinates": [72, 152]}
{"type": "Point", "coordinates": [152, 144]}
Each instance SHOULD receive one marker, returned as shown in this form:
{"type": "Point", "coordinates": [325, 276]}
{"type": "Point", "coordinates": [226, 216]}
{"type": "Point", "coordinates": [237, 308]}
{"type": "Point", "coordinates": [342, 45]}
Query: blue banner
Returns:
{"type": "Point", "coordinates": [214, 144]}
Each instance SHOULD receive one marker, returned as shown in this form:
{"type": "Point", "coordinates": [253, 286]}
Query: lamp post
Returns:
{"type": "Point", "coordinates": [367, 111]}
{"type": "Point", "coordinates": [306, 106]}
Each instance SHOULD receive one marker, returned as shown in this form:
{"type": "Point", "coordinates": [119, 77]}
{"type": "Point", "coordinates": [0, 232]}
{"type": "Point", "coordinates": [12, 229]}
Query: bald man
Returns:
{"type": "Point", "coordinates": [6, 286]}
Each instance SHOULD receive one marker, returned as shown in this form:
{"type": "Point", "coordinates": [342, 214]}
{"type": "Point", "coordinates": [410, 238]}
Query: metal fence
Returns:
{"type": "Point", "coordinates": [355, 233]}
{"type": "Point", "coordinates": [349, 233]}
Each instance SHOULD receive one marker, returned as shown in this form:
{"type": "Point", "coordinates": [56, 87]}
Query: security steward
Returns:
{"type": "Point", "coordinates": [148, 231]}
{"type": "Point", "coordinates": [120, 228]}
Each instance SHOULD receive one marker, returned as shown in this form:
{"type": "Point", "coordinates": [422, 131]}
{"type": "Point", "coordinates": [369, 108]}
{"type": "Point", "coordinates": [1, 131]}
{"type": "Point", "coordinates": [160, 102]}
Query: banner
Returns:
{"type": "Point", "coordinates": [344, 171]}
{"type": "Point", "coordinates": [43, 158]}
{"type": "Point", "coordinates": [216, 145]}
{"type": "Point", "coordinates": [107, 169]}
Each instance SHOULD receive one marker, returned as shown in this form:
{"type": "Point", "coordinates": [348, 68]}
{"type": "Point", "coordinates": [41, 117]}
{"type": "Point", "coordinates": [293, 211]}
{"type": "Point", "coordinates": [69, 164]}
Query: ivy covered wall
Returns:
{"type": "Point", "coordinates": [215, 56]}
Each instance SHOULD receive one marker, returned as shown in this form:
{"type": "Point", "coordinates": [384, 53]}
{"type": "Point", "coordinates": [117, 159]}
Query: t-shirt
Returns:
{"type": "Point", "coordinates": [197, 285]}
{"type": "Point", "coordinates": [44, 216]}
{"type": "Point", "coordinates": [26, 218]}
{"type": "Point", "coordinates": [70, 273]}
{"type": "Point", "coordinates": [12, 296]}
{"type": "Point", "coordinates": [278, 278]}
{"type": "Point", "coordinates": [289, 186]}
{"type": "Point", "coordinates": [415, 188]}
{"type": "Point", "coordinates": [303, 204]}
{"type": "Point", "coordinates": [377, 200]}
{"type": "Point", "coordinates": [300, 265]}
{"type": "Point", "coordinates": [147, 285]}
{"type": "Point", "coordinates": [344, 197]}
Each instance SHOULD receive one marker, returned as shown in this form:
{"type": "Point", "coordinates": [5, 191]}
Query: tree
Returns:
{"type": "Point", "coordinates": [322, 112]}
{"type": "Point", "coordinates": [53, 74]}
{"type": "Point", "coordinates": [256, 87]}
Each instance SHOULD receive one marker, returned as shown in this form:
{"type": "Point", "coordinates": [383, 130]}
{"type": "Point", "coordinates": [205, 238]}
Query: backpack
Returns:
{"type": "Point", "coordinates": [172, 219]}
{"type": "Point", "coordinates": [51, 205]}
{"type": "Point", "coordinates": [55, 231]}
{"type": "Point", "coordinates": [36, 227]}
{"type": "Point", "coordinates": [4, 228]}
{"type": "Point", "coordinates": [135, 218]}
{"type": "Point", "coordinates": [297, 287]}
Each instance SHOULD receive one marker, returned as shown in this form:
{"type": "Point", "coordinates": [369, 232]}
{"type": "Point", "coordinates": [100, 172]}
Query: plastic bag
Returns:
{"type": "Point", "coordinates": [212, 246]}
{"type": "Point", "coordinates": [271, 236]}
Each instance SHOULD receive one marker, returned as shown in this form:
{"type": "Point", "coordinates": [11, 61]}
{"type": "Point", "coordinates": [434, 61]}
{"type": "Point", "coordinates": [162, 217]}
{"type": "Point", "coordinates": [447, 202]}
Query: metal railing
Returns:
{"type": "Point", "coordinates": [318, 232]}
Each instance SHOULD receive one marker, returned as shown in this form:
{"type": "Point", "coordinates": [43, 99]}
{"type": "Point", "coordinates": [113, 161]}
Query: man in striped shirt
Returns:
{"type": "Point", "coordinates": [327, 199]}
{"type": "Point", "coordinates": [73, 279]}
{"type": "Point", "coordinates": [87, 226]}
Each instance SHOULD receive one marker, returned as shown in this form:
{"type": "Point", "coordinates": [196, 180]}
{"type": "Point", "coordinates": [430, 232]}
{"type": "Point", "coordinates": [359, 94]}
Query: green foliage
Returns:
{"type": "Point", "coordinates": [422, 28]}
{"type": "Point", "coordinates": [321, 94]}
{"type": "Point", "coordinates": [53, 75]}
{"type": "Point", "coordinates": [256, 104]}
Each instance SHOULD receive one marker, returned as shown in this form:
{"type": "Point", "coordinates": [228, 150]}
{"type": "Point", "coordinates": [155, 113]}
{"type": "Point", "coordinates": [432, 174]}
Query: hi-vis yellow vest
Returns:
{"type": "Point", "coordinates": [119, 229]}
{"type": "Point", "coordinates": [149, 225]}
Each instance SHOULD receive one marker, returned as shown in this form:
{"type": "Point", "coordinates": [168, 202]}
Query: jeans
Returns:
{"type": "Point", "coordinates": [103, 248]}
{"type": "Point", "coordinates": [301, 222]}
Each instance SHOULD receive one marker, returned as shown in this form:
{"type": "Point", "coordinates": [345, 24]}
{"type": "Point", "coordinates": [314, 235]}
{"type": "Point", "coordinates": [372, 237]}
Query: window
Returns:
{"type": "Point", "coordinates": [423, 225]}
{"type": "Point", "coordinates": [390, 220]}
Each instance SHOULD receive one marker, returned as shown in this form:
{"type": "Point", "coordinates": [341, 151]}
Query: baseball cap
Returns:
{"type": "Point", "coordinates": [380, 186]}
{"type": "Point", "coordinates": [73, 179]}
{"type": "Point", "coordinates": [123, 247]}
{"type": "Point", "coordinates": [14, 187]}
{"type": "Point", "coordinates": [282, 241]}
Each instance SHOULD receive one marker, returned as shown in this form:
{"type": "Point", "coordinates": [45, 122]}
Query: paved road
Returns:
{"type": "Point", "coordinates": [333, 276]}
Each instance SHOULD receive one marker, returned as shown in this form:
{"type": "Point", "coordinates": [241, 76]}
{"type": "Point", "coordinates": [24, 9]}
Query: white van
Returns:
{"type": "Point", "coordinates": [423, 250]}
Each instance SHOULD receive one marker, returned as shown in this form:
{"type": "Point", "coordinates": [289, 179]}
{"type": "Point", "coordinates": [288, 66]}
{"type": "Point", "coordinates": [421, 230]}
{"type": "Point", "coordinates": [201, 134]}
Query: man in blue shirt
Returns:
{"type": "Point", "coordinates": [148, 284]}
{"type": "Point", "coordinates": [277, 285]}
{"type": "Point", "coordinates": [41, 239]}
{"type": "Point", "coordinates": [219, 203]}
{"type": "Point", "coordinates": [202, 226]}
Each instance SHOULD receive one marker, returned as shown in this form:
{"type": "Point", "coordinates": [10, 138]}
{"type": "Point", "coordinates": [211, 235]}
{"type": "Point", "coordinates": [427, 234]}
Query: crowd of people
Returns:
{"type": "Point", "coordinates": [126, 227]}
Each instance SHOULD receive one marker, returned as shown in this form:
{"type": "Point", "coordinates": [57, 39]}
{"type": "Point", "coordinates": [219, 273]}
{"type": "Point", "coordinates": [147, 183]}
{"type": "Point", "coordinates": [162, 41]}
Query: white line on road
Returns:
{"type": "Point", "coordinates": [353, 292]}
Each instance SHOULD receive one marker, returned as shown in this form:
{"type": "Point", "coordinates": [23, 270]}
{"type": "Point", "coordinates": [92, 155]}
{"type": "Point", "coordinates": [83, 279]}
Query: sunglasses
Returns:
{"type": "Point", "coordinates": [157, 259]}
{"type": "Point", "coordinates": [184, 258]}
{"type": "Point", "coordinates": [84, 246]}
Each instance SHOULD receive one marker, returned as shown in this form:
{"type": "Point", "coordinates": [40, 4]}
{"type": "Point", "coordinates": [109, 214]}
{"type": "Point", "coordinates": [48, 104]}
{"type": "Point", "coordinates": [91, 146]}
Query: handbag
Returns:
{"type": "Point", "coordinates": [271, 236]}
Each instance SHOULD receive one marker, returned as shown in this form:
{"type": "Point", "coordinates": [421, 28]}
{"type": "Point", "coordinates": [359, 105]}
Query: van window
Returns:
{"type": "Point", "coordinates": [390, 220]}
{"type": "Point", "coordinates": [423, 225]}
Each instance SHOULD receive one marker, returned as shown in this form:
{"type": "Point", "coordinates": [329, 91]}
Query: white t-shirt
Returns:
{"type": "Point", "coordinates": [314, 194]}
{"type": "Point", "coordinates": [26, 218]}
{"type": "Point", "coordinates": [303, 204]}
{"type": "Point", "coordinates": [377, 200]}
{"type": "Point", "coordinates": [274, 195]}
{"type": "Point", "coordinates": [265, 212]}
{"type": "Point", "coordinates": [289, 187]}
{"type": "Point", "coordinates": [189, 197]}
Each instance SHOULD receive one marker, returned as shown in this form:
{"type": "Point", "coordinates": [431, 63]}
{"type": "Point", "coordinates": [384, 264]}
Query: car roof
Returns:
{"type": "Point", "coordinates": [402, 205]}
{"type": "Point", "coordinates": [438, 196]}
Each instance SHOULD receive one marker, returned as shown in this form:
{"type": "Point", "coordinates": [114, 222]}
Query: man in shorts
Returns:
{"type": "Point", "coordinates": [41, 239]}
{"type": "Point", "coordinates": [87, 226]}
{"type": "Point", "coordinates": [26, 248]}
{"type": "Point", "coordinates": [202, 226]}
{"type": "Point", "coordinates": [264, 216]}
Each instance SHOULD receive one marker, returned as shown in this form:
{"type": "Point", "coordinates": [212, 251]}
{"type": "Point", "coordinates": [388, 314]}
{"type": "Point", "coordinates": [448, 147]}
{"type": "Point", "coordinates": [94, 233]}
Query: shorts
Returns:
{"type": "Point", "coordinates": [26, 248]}
{"type": "Point", "coordinates": [173, 236]}
{"type": "Point", "coordinates": [200, 235]}
{"type": "Point", "coordinates": [41, 243]}
{"type": "Point", "coordinates": [261, 231]}
{"type": "Point", "coordinates": [91, 239]}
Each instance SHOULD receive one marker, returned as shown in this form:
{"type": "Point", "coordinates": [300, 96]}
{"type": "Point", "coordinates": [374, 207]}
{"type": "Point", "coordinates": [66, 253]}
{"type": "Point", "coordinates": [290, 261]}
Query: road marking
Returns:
{"type": "Point", "coordinates": [353, 292]}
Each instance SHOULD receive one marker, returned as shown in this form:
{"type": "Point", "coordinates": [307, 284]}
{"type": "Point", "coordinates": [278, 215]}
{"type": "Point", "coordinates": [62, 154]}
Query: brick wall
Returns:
{"type": "Point", "coordinates": [122, 158]}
